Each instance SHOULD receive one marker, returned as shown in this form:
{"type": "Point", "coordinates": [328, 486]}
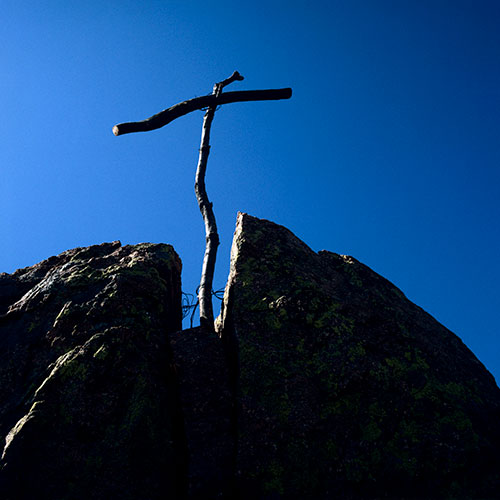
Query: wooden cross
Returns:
{"type": "Point", "coordinates": [210, 102]}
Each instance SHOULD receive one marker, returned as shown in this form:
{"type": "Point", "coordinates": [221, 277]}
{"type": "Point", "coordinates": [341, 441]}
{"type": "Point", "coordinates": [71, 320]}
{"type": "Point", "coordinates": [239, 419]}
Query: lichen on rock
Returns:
{"type": "Point", "coordinates": [325, 382]}
{"type": "Point", "coordinates": [346, 389]}
{"type": "Point", "coordinates": [89, 406]}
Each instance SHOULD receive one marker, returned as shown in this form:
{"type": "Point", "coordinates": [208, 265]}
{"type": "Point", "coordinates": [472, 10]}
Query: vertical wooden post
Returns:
{"type": "Point", "coordinates": [212, 236]}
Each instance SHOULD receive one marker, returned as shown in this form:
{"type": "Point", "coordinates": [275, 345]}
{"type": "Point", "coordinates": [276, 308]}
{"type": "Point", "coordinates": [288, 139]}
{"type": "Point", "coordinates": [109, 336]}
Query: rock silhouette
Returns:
{"type": "Point", "coordinates": [325, 382]}
{"type": "Point", "coordinates": [88, 404]}
{"type": "Point", "coordinates": [345, 388]}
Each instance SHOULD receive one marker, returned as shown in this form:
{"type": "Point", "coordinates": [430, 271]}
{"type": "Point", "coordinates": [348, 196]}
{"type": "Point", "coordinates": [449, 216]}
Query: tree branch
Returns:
{"type": "Point", "coordinates": [211, 234]}
{"type": "Point", "coordinates": [168, 115]}
{"type": "Point", "coordinates": [219, 86]}
{"type": "Point", "coordinates": [206, 209]}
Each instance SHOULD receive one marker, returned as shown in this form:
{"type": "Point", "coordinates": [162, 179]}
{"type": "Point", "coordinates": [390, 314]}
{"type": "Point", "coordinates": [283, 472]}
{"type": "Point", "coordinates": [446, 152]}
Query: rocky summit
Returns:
{"type": "Point", "coordinates": [87, 404]}
{"type": "Point", "coordinates": [324, 381]}
{"type": "Point", "coordinates": [345, 388]}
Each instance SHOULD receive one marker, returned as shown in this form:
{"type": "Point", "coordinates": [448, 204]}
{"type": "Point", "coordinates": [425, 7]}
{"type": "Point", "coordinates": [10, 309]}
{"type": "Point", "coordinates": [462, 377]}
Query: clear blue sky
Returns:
{"type": "Point", "coordinates": [388, 150]}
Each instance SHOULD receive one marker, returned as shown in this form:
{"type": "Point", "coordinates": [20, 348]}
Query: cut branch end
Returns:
{"type": "Point", "coordinates": [236, 75]}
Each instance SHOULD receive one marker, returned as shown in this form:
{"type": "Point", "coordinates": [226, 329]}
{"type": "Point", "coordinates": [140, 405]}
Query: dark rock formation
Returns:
{"type": "Point", "coordinates": [208, 411]}
{"type": "Point", "coordinates": [88, 406]}
{"type": "Point", "coordinates": [326, 382]}
{"type": "Point", "coordinates": [346, 389]}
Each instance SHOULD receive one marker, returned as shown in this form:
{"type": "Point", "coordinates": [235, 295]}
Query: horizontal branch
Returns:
{"type": "Point", "coordinates": [163, 117]}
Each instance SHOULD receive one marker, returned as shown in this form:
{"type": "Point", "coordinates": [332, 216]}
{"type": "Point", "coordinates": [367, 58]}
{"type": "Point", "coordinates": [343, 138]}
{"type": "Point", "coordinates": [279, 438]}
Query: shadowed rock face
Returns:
{"type": "Point", "coordinates": [346, 389]}
{"type": "Point", "coordinates": [208, 412]}
{"type": "Point", "coordinates": [326, 382]}
{"type": "Point", "coordinates": [88, 405]}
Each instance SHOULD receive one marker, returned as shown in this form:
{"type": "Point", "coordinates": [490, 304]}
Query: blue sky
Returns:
{"type": "Point", "coordinates": [388, 150]}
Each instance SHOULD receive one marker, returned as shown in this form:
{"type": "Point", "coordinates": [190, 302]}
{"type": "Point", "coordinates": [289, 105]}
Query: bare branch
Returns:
{"type": "Point", "coordinates": [168, 115]}
{"type": "Point", "coordinates": [211, 234]}
{"type": "Point", "coordinates": [219, 86]}
{"type": "Point", "coordinates": [206, 209]}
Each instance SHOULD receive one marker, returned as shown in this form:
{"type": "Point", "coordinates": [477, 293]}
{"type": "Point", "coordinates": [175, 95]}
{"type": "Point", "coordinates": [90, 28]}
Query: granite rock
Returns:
{"type": "Point", "coordinates": [345, 388]}
{"type": "Point", "coordinates": [325, 381]}
{"type": "Point", "coordinates": [88, 401]}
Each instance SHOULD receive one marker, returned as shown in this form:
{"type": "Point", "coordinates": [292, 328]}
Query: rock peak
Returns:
{"type": "Point", "coordinates": [325, 382]}
{"type": "Point", "coordinates": [345, 388]}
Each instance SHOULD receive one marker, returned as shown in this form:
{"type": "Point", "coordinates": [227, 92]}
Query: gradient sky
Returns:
{"type": "Point", "coordinates": [388, 150]}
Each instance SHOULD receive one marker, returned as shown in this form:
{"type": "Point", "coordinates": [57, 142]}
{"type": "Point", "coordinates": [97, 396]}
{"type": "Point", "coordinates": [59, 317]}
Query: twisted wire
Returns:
{"type": "Point", "coordinates": [190, 302]}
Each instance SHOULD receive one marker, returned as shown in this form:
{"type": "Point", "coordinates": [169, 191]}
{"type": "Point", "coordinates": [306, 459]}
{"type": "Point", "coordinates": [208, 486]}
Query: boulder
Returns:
{"type": "Point", "coordinates": [88, 398]}
{"type": "Point", "coordinates": [344, 388]}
